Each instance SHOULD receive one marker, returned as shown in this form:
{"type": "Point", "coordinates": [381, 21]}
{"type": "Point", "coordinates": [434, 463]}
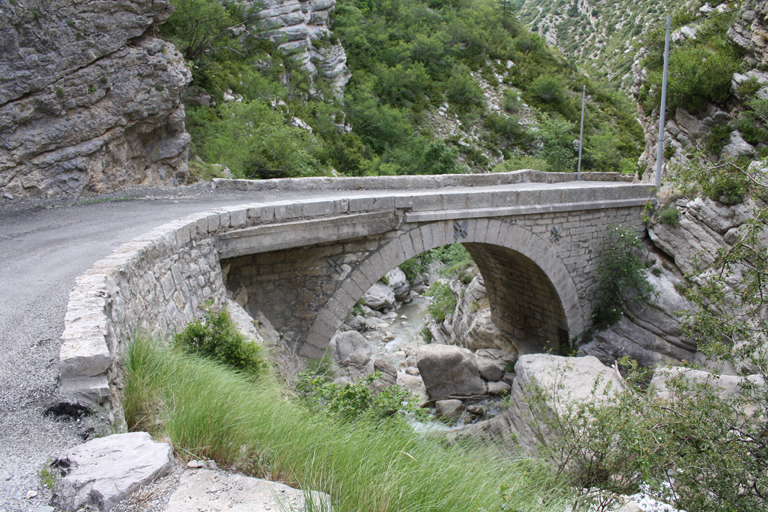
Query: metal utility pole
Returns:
{"type": "Point", "coordinates": [581, 132]}
{"type": "Point", "coordinates": [663, 108]}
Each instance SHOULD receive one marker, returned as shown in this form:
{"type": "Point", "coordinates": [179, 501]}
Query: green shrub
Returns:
{"type": "Point", "coordinates": [443, 301]}
{"type": "Point", "coordinates": [209, 412]}
{"type": "Point", "coordinates": [670, 215]}
{"type": "Point", "coordinates": [717, 138]}
{"type": "Point", "coordinates": [621, 279]}
{"type": "Point", "coordinates": [216, 338]}
{"type": "Point", "coordinates": [413, 269]}
{"type": "Point", "coordinates": [749, 87]}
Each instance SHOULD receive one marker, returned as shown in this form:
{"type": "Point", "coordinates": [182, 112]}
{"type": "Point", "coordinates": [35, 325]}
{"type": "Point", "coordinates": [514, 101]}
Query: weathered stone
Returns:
{"type": "Point", "coordinates": [563, 380]}
{"type": "Point", "coordinates": [398, 283]}
{"type": "Point", "coordinates": [499, 388]}
{"type": "Point", "coordinates": [414, 384]}
{"type": "Point", "coordinates": [98, 111]}
{"type": "Point", "coordinates": [105, 471]}
{"type": "Point", "coordinates": [448, 409]}
{"type": "Point", "coordinates": [388, 375]}
{"type": "Point", "coordinates": [737, 146]}
{"type": "Point", "coordinates": [344, 344]}
{"type": "Point", "coordinates": [449, 371]}
{"type": "Point", "coordinates": [205, 489]}
{"type": "Point", "coordinates": [492, 363]}
{"type": "Point", "coordinates": [379, 297]}
{"type": "Point", "coordinates": [725, 386]}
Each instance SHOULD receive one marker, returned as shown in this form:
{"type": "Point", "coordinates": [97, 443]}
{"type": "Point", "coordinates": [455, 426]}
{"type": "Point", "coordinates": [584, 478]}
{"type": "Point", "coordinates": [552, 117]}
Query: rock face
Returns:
{"type": "Point", "coordinates": [750, 32]}
{"type": "Point", "coordinates": [205, 489]}
{"type": "Point", "coordinates": [300, 29]}
{"type": "Point", "coordinates": [89, 100]}
{"type": "Point", "coordinates": [105, 471]}
{"type": "Point", "coordinates": [471, 323]}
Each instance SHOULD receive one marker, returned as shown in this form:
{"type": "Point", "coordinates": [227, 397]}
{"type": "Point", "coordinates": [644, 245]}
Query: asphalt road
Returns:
{"type": "Point", "coordinates": [44, 246]}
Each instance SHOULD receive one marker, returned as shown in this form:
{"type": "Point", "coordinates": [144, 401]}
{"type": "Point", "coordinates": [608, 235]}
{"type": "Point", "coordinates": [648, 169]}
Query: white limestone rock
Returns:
{"type": "Point", "coordinates": [344, 344]}
{"type": "Point", "coordinates": [379, 297]}
{"type": "Point", "coordinates": [103, 472]}
{"type": "Point", "coordinates": [205, 489]}
{"type": "Point", "coordinates": [472, 325]}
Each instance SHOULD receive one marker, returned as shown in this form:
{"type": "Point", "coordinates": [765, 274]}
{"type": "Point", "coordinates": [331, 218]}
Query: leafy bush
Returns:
{"type": "Point", "coordinates": [215, 337]}
{"type": "Point", "coordinates": [691, 448]}
{"type": "Point", "coordinates": [354, 401]}
{"type": "Point", "coordinates": [621, 279]}
{"type": "Point", "coordinates": [725, 181]}
{"type": "Point", "coordinates": [443, 301]}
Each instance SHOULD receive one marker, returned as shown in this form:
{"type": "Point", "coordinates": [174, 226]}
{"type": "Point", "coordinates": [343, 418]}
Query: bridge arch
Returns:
{"type": "Point", "coordinates": [531, 292]}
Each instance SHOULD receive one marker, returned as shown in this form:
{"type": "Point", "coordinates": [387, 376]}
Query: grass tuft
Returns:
{"type": "Point", "coordinates": [210, 411]}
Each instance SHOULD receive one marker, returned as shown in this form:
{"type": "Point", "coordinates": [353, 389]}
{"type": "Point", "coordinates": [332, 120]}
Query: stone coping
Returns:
{"type": "Point", "coordinates": [285, 185]}
{"type": "Point", "coordinates": [155, 282]}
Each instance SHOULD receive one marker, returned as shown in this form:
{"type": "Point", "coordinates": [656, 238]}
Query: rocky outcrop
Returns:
{"type": "Point", "coordinates": [471, 323]}
{"type": "Point", "coordinates": [301, 29]}
{"type": "Point", "coordinates": [558, 382]}
{"type": "Point", "coordinates": [101, 473]}
{"type": "Point", "coordinates": [89, 99]}
{"type": "Point", "coordinates": [205, 489]}
{"type": "Point", "coordinates": [750, 32]}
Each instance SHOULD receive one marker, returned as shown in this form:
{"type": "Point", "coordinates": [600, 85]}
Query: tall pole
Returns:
{"type": "Point", "coordinates": [581, 132]}
{"type": "Point", "coordinates": [663, 111]}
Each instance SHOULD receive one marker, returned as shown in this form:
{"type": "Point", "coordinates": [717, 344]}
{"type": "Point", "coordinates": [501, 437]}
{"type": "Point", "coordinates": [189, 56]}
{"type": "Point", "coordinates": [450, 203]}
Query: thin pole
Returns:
{"type": "Point", "coordinates": [662, 114]}
{"type": "Point", "coordinates": [581, 132]}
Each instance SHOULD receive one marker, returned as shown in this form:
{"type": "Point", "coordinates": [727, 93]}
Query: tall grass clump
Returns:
{"type": "Point", "coordinates": [210, 411]}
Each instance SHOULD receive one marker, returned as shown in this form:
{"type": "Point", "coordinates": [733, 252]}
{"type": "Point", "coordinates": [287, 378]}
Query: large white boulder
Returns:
{"type": "Point", "coordinates": [103, 472]}
{"type": "Point", "coordinates": [379, 296]}
{"type": "Point", "coordinates": [205, 489]}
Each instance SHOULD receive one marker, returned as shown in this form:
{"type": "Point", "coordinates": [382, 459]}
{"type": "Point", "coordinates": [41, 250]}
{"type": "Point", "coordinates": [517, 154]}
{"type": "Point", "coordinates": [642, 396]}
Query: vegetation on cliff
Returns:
{"type": "Point", "coordinates": [417, 67]}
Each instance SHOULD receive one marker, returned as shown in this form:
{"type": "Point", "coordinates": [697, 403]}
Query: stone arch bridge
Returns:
{"type": "Point", "coordinates": [535, 245]}
{"type": "Point", "coordinates": [304, 251]}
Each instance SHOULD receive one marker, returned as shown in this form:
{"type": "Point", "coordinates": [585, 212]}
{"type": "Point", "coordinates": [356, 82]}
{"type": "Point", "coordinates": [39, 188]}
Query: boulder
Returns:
{"type": "Point", "coordinates": [398, 283]}
{"type": "Point", "coordinates": [449, 371]}
{"type": "Point", "coordinates": [564, 380]}
{"type": "Point", "coordinates": [379, 297]}
{"type": "Point", "coordinates": [726, 386]}
{"type": "Point", "coordinates": [499, 388]}
{"type": "Point", "coordinates": [388, 375]}
{"type": "Point", "coordinates": [346, 343]}
{"type": "Point", "coordinates": [492, 363]}
{"type": "Point", "coordinates": [737, 146]}
{"type": "Point", "coordinates": [414, 384]}
{"type": "Point", "coordinates": [205, 489]}
{"type": "Point", "coordinates": [448, 409]}
{"type": "Point", "coordinates": [103, 472]}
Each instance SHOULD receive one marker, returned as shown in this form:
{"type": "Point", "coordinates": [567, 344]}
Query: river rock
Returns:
{"type": "Point", "coordinates": [398, 283]}
{"type": "Point", "coordinates": [499, 388]}
{"type": "Point", "coordinates": [388, 375]}
{"type": "Point", "coordinates": [205, 489]}
{"type": "Point", "coordinates": [726, 386]}
{"type": "Point", "coordinates": [414, 384]}
{"type": "Point", "coordinates": [565, 380]}
{"type": "Point", "coordinates": [105, 471]}
{"type": "Point", "coordinates": [346, 343]}
{"type": "Point", "coordinates": [449, 371]}
{"type": "Point", "coordinates": [91, 105]}
{"type": "Point", "coordinates": [448, 409]}
{"type": "Point", "coordinates": [492, 363]}
{"type": "Point", "coordinates": [379, 297]}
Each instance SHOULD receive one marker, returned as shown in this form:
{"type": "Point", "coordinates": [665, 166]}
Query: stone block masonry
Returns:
{"type": "Point", "coordinates": [304, 263]}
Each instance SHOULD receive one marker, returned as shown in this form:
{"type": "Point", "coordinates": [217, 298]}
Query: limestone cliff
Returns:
{"type": "Point", "coordinates": [89, 98]}
{"type": "Point", "coordinates": [300, 29]}
{"type": "Point", "coordinates": [684, 130]}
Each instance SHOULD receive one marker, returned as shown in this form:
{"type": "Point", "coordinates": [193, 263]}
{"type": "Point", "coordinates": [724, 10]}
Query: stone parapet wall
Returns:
{"type": "Point", "coordinates": [152, 284]}
{"type": "Point", "coordinates": [412, 182]}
